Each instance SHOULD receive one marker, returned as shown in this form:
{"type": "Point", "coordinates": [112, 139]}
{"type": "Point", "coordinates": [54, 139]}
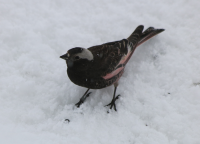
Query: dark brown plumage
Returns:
{"type": "Point", "coordinates": [102, 65]}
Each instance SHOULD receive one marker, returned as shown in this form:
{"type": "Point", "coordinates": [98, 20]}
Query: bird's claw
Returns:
{"type": "Point", "coordinates": [112, 103]}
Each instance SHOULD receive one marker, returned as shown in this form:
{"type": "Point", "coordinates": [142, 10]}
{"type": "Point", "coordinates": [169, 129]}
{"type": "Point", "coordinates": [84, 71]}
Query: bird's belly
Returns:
{"type": "Point", "coordinates": [92, 82]}
{"type": "Point", "coordinates": [86, 81]}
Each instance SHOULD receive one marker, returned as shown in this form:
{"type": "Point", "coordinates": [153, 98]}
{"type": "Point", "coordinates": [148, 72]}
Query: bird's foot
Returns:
{"type": "Point", "coordinates": [112, 103]}
{"type": "Point", "coordinates": [81, 101]}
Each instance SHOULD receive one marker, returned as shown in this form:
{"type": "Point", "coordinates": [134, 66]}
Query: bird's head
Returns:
{"type": "Point", "coordinates": [77, 57]}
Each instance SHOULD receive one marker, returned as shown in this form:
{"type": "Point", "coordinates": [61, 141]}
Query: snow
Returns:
{"type": "Point", "coordinates": [160, 89]}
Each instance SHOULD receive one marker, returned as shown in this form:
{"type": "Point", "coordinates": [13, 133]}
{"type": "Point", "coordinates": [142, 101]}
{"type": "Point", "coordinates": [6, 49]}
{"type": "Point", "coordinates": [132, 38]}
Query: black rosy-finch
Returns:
{"type": "Point", "coordinates": [102, 65]}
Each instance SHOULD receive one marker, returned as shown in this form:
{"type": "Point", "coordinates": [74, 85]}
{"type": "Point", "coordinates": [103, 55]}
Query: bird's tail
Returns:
{"type": "Point", "coordinates": [139, 38]}
{"type": "Point", "coordinates": [149, 33]}
{"type": "Point", "coordinates": [136, 35]}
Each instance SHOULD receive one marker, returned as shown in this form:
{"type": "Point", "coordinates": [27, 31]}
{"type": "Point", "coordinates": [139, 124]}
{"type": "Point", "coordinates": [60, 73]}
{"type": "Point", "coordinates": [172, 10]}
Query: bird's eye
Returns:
{"type": "Point", "coordinates": [76, 57]}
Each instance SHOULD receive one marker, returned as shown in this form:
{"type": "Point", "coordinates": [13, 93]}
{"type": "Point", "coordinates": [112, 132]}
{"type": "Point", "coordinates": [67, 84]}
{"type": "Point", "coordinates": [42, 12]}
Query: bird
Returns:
{"type": "Point", "coordinates": [103, 65]}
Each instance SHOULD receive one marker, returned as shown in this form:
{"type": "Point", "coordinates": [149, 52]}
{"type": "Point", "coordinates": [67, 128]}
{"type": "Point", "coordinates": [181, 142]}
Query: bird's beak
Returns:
{"type": "Point", "coordinates": [65, 56]}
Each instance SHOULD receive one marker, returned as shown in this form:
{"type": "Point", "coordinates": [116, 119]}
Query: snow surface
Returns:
{"type": "Point", "coordinates": [160, 89]}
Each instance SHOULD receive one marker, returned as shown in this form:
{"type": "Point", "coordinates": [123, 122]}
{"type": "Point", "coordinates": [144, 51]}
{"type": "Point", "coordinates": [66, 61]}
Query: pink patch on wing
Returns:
{"type": "Point", "coordinates": [115, 72]}
{"type": "Point", "coordinates": [123, 60]}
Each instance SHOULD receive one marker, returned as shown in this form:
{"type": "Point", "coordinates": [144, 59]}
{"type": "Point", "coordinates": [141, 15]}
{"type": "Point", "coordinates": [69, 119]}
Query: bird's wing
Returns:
{"type": "Point", "coordinates": [111, 58]}
{"type": "Point", "coordinates": [107, 56]}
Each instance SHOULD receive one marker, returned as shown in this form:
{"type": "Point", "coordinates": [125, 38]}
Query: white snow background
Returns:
{"type": "Point", "coordinates": [160, 91]}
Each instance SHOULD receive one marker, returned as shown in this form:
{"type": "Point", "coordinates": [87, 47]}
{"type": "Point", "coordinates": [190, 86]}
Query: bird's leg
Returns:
{"type": "Point", "coordinates": [83, 98]}
{"type": "Point", "coordinates": [112, 103]}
